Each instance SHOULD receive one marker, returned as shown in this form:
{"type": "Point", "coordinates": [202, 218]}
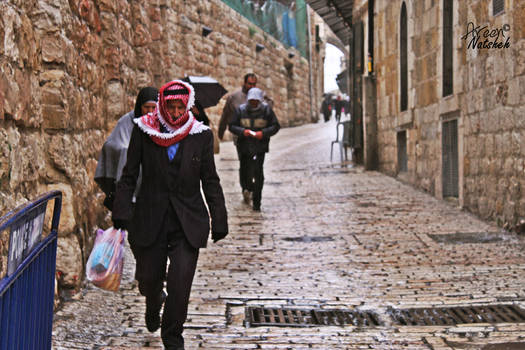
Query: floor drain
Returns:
{"type": "Point", "coordinates": [286, 317]}
{"type": "Point", "coordinates": [468, 237]}
{"type": "Point", "coordinates": [308, 239]}
{"type": "Point", "coordinates": [449, 316]}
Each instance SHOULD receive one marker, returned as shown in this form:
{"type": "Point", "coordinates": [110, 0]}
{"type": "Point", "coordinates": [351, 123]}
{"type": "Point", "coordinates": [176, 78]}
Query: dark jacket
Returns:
{"type": "Point", "coordinates": [158, 190]}
{"type": "Point", "coordinates": [263, 119]}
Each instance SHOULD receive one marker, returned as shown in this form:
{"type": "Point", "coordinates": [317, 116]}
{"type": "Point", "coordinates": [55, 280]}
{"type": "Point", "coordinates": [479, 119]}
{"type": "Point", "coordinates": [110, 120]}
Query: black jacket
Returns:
{"type": "Point", "coordinates": [158, 190]}
{"type": "Point", "coordinates": [263, 119]}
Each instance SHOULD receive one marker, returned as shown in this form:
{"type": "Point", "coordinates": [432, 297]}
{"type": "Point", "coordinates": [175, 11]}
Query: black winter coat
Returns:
{"type": "Point", "coordinates": [159, 190]}
{"type": "Point", "coordinates": [262, 119]}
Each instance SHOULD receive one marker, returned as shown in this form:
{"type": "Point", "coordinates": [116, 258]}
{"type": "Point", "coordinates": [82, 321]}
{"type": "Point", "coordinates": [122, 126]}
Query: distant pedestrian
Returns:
{"type": "Point", "coordinates": [234, 100]}
{"type": "Point", "coordinates": [326, 108]}
{"type": "Point", "coordinates": [112, 157]}
{"type": "Point", "coordinates": [254, 123]}
{"type": "Point", "coordinates": [339, 104]}
{"type": "Point", "coordinates": [170, 219]}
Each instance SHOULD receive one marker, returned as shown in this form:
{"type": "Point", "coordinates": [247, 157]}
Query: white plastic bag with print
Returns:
{"type": "Point", "coordinates": [106, 261]}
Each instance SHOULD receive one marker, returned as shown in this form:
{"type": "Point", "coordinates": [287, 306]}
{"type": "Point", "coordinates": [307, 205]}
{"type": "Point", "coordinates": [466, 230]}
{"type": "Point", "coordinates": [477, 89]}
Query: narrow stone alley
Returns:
{"type": "Point", "coordinates": [329, 237]}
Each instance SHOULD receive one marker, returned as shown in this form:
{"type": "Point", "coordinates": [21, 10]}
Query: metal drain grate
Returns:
{"type": "Point", "coordinates": [285, 317]}
{"type": "Point", "coordinates": [309, 239]}
{"type": "Point", "coordinates": [345, 317]}
{"type": "Point", "coordinates": [449, 316]}
{"type": "Point", "coordinates": [468, 237]}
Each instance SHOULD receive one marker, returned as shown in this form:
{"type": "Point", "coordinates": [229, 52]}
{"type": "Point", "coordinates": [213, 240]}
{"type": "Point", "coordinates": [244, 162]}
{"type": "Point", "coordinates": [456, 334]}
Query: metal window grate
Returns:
{"type": "Point", "coordinates": [448, 47]}
{"type": "Point", "coordinates": [403, 58]}
{"type": "Point", "coordinates": [287, 317]}
{"type": "Point", "coordinates": [402, 154]}
{"type": "Point", "coordinates": [450, 158]}
{"type": "Point", "coordinates": [498, 6]}
{"type": "Point", "coordinates": [458, 315]}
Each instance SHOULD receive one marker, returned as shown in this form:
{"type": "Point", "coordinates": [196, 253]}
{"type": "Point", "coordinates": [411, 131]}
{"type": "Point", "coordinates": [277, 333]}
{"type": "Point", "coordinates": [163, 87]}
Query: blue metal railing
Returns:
{"type": "Point", "coordinates": [27, 274]}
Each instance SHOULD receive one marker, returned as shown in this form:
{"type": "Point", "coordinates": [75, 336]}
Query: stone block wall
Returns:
{"type": "Point", "coordinates": [70, 68]}
{"type": "Point", "coordinates": [488, 100]}
{"type": "Point", "coordinates": [494, 109]}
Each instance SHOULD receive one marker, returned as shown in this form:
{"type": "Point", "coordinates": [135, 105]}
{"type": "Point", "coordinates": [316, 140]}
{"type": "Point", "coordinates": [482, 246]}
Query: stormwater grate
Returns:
{"type": "Point", "coordinates": [468, 237]}
{"type": "Point", "coordinates": [449, 316]}
{"type": "Point", "coordinates": [309, 239]}
{"type": "Point", "coordinates": [346, 317]}
{"type": "Point", "coordinates": [288, 317]}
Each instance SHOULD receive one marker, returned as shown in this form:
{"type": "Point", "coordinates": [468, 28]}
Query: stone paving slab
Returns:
{"type": "Point", "coordinates": [329, 236]}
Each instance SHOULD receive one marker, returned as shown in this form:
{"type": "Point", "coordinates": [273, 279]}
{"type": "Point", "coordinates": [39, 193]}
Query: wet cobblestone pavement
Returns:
{"type": "Point", "coordinates": [329, 236]}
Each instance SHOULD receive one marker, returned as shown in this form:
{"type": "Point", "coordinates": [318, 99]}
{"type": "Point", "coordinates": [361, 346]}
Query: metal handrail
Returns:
{"type": "Point", "coordinates": [19, 212]}
{"type": "Point", "coordinates": [27, 283]}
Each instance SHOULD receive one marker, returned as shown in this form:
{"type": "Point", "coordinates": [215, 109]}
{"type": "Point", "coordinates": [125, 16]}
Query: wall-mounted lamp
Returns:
{"type": "Point", "coordinates": [259, 47]}
{"type": "Point", "coordinates": [206, 31]}
{"type": "Point", "coordinates": [291, 55]}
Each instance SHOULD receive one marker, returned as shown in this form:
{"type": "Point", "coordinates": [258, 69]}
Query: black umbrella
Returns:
{"type": "Point", "coordinates": [208, 91]}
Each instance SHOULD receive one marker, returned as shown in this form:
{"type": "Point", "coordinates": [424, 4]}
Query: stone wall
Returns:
{"type": "Point", "coordinates": [488, 102]}
{"type": "Point", "coordinates": [70, 69]}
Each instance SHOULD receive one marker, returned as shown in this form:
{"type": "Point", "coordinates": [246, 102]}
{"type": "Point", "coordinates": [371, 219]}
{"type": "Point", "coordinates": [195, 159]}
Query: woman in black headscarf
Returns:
{"type": "Point", "coordinates": [113, 155]}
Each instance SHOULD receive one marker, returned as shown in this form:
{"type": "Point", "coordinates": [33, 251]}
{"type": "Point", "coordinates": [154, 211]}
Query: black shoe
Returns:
{"type": "Point", "coordinates": [153, 313]}
{"type": "Point", "coordinates": [256, 207]}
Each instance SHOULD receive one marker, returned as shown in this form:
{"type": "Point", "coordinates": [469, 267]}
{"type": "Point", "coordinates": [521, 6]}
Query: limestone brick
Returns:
{"type": "Point", "coordinates": [70, 69]}
{"type": "Point", "coordinates": [69, 268]}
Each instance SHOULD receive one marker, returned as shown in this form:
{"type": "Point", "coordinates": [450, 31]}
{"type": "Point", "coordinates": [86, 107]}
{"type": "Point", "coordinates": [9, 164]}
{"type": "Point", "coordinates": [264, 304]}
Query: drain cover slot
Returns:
{"type": "Point", "coordinates": [287, 317]}
{"type": "Point", "coordinates": [309, 239]}
{"type": "Point", "coordinates": [449, 316]}
{"type": "Point", "coordinates": [468, 237]}
{"type": "Point", "coordinates": [345, 317]}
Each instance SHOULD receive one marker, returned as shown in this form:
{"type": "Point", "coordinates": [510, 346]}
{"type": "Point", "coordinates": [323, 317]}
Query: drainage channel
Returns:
{"type": "Point", "coordinates": [468, 237]}
{"type": "Point", "coordinates": [437, 316]}
{"type": "Point", "coordinates": [450, 316]}
{"type": "Point", "coordinates": [288, 317]}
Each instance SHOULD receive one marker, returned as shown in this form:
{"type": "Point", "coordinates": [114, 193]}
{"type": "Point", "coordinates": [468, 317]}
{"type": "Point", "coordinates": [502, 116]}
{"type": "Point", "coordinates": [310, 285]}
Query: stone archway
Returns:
{"type": "Point", "coordinates": [332, 39]}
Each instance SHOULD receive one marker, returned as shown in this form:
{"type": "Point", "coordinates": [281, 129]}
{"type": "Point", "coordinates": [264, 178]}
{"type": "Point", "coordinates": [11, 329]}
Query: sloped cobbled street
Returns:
{"type": "Point", "coordinates": [330, 236]}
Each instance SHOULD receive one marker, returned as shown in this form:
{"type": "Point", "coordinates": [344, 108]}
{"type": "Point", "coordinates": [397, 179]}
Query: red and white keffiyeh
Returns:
{"type": "Point", "coordinates": [176, 129]}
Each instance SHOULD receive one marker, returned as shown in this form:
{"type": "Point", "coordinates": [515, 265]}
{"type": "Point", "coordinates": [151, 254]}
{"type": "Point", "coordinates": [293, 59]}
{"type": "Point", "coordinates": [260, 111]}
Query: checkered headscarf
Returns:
{"type": "Point", "coordinates": [175, 129]}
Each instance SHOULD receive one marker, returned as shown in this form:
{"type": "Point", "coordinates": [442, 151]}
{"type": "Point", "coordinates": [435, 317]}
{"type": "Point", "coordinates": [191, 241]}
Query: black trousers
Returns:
{"type": "Point", "coordinates": [151, 263]}
{"type": "Point", "coordinates": [252, 174]}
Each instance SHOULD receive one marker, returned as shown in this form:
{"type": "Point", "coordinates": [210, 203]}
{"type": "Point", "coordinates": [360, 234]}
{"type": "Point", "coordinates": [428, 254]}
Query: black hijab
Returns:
{"type": "Point", "coordinates": [145, 94]}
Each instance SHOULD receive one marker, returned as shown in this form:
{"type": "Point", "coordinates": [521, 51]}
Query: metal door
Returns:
{"type": "Point", "coordinates": [450, 158]}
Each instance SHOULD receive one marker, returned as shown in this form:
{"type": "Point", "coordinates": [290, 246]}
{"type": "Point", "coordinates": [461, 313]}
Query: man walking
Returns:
{"type": "Point", "coordinates": [234, 100]}
{"type": "Point", "coordinates": [254, 123]}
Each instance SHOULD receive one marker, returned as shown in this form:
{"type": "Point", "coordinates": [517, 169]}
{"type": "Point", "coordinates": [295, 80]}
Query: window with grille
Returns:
{"type": "Point", "coordinates": [402, 154]}
{"type": "Point", "coordinates": [498, 6]}
{"type": "Point", "coordinates": [403, 58]}
{"type": "Point", "coordinates": [449, 153]}
{"type": "Point", "coordinates": [447, 48]}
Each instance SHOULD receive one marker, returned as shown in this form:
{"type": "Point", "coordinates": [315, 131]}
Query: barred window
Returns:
{"type": "Point", "coordinates": [403, 37]}
{"type": "Point", "coordinates": [498, 6]}
{"type": "Point", "coordinates": [448, 72]}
